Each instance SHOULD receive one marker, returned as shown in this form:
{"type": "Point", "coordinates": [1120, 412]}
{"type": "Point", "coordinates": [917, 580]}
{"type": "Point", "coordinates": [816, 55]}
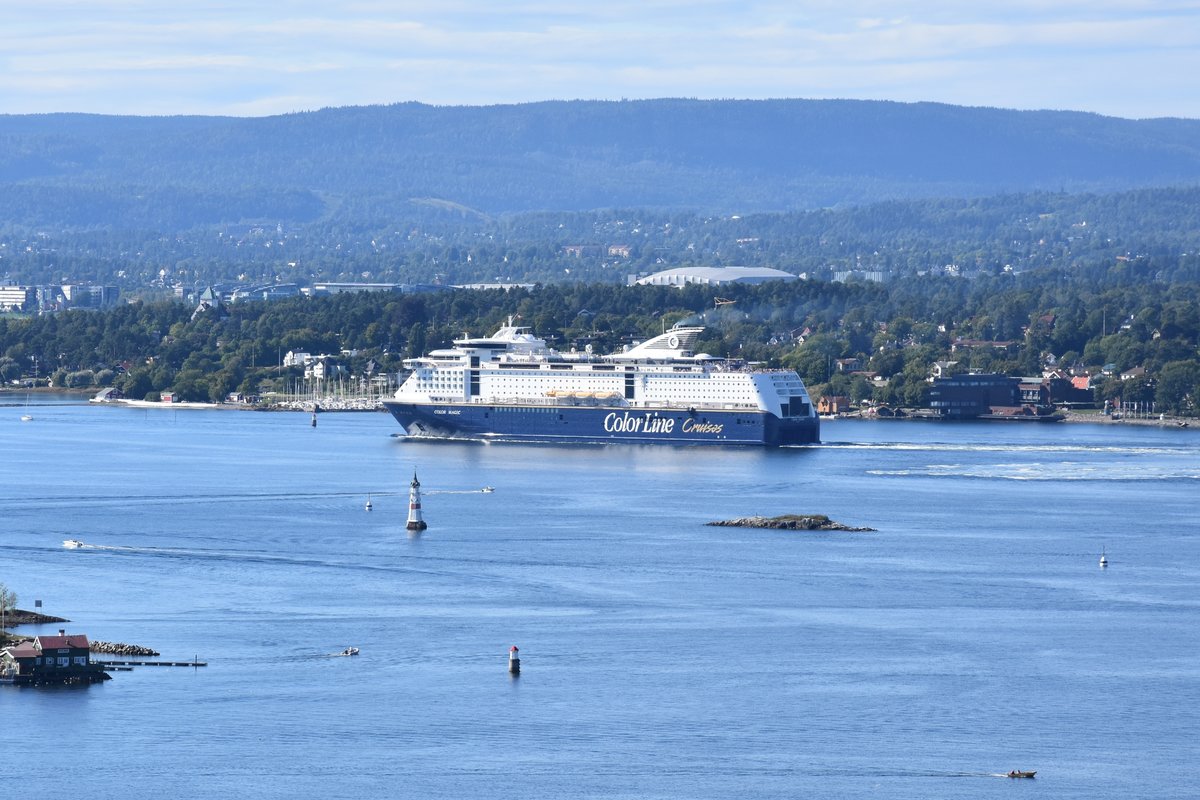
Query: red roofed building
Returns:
{"type": "Point", "coordinates": [50, 659]}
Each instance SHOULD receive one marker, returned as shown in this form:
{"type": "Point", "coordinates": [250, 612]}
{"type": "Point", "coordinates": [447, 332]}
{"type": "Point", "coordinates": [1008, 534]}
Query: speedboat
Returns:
{"type": "Point", "coordinates": [72, 544]}
{"type": "Point", "coordinates": [1019, 774]}
{"type": "Point", "coordinates": [349, 651]}
{"type": "Point", "coordinates": [489, 489]}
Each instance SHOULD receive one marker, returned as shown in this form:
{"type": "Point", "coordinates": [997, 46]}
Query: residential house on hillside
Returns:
{"type": "Point", "coordinates": [848, 364]}
{"type": "Point", "coordinates": [968, 344]}
{"type": "Point", "coordinates": [296, 358]}
{"type": "Point", "coordinates": [323, 368]}
{"type": "Point", "coordinates": [1131, 374]}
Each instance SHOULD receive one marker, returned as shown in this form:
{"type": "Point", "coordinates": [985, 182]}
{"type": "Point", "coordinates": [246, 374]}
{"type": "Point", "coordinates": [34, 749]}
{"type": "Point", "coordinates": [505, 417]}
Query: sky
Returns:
{"type": "Point", "coordinates": [1124, 58]}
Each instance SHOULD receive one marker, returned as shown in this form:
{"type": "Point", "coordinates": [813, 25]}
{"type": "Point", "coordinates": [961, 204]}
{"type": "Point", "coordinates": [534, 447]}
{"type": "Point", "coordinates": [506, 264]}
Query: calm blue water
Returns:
{"type": "Point", "coordinates": [972, 634]}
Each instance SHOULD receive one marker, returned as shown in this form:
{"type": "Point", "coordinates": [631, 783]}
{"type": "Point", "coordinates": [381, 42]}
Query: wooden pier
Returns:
{"type": "Point", "coordinates": [151, 663]}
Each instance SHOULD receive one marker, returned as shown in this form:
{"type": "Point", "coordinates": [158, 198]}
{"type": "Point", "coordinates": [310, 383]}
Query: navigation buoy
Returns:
{"type": "Point", "coordinates": [314, 419]}
{"type": "Point", "coordinates": [415, 523]}
{"type": "Point", "coordinates": [514, 661]}
{"type": "Point", "coordinates": [368, 506]}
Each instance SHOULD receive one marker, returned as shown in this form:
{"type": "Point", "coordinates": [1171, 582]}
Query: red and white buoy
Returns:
{"type": "Point", "coordinates": [415, 523]}
{"type": "Point", "coordinates": [514, 660]}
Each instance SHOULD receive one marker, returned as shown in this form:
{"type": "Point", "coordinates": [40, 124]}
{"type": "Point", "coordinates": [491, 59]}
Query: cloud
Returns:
{"type": "Point", "coordinates": [245, 58]}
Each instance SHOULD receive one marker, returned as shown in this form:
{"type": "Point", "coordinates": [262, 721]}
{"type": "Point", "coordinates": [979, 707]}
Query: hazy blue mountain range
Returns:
{"type": "Point", "coordinates": [387, 164]}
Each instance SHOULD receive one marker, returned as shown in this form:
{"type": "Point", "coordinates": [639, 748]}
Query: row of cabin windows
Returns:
{"type": "Point", "coordinates": [501, 410]}
{"type": "Point", "coordinates": [60, 661]}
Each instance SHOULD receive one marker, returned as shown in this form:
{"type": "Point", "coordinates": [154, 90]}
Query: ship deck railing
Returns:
{"type": "Point", "coordinates": [600, 402]}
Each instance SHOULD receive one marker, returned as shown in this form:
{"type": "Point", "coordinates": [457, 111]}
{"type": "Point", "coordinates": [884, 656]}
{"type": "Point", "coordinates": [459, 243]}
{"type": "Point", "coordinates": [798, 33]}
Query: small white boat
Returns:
{"type": "Point", "coordinates": [368, 506]}
{"type": "Point", "coordinates": [72, 544]}
{"type": "Point", "coordinates": [349, 651]}
{"type": "Point", "coordinates": [27, 418]}
{"type": "Point", "coordinates": [489, 489]}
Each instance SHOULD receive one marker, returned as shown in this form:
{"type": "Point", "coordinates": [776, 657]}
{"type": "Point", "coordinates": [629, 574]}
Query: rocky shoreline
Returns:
{"type": "Point", "coordinates": [19, 616]}
{"type": "Point", "coordinates": [121, 649]}
{"type": "Point", "coordinates": [790, 522]}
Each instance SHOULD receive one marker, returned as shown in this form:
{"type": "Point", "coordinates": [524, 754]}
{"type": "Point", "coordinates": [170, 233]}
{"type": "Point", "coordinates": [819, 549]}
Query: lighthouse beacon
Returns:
{"type": "Point", "coordinates": [415, 523]}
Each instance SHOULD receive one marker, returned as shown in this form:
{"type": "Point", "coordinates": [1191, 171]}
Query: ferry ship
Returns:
{"type": "Point", "coordinates": [513, 386]}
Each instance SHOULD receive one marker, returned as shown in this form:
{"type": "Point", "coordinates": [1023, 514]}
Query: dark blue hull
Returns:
{"type": "Point", "coordinates": [601, 425]}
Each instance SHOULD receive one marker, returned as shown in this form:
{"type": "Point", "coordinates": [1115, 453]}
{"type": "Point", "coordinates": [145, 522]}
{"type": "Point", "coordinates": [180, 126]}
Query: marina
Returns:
{"type": "Point", "coordinates": [659, 656]}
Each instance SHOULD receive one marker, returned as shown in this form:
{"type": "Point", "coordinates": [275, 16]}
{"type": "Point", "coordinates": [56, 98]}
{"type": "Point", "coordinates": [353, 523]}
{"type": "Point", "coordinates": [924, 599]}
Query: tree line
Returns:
{"type": "Point", "coordinates": [441, 242]}
{"type": "Point", "coordinates": [1121, 317]}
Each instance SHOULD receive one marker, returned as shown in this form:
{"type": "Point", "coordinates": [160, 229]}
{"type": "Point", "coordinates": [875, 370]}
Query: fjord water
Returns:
{"type": "Point", "coordinates": [973, 633]}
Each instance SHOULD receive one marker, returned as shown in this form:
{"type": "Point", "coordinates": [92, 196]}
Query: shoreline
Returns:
{"type": "Point", "coordinates": [335, 405]}
{"type": "Point", "coordinates": [1069, 417]}
{"type": "Point", "coordinates": [303, 406]}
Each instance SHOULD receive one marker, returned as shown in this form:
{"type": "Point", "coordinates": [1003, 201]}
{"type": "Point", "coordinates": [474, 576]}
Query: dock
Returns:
{"type": "Point", "coordinates": [107, 664]}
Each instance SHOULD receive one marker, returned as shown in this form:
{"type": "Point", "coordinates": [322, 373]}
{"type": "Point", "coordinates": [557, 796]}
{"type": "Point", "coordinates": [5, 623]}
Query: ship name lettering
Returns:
{"type": "Point", "coordinates": [691, 426]}
{"type": "Point", "coordinates": [627, 423]}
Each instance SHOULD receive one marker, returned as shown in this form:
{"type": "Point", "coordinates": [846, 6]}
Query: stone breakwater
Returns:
{"type": "Point", "coordinates": [789, 522]}
{"type": "Point", "coordinates": [120, 649]}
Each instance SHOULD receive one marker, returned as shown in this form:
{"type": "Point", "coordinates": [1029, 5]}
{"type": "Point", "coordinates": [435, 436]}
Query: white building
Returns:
{"type": "Point", "coordinates": [714, 276]}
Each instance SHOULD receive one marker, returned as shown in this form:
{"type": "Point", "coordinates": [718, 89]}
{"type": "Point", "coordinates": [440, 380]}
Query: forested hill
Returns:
{"type": "Point", "coordinates": [369, 164]}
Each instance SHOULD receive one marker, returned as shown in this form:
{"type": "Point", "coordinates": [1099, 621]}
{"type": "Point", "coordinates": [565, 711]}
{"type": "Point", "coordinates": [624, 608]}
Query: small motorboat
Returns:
{"type": "Point", "coordinates": [349, 651]}
{"type": "Point", "coordinates": [72, 544]}
{"type": "Point", "coordinates": [27, 418]}
{"type": "Point", "coordinates": [489, 489]}
{"type": "Point", "coordinates": [1016, 773]}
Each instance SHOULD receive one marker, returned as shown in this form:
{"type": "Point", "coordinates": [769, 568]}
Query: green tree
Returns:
{"type": "Point", "coordinates": [1178, 389]}
{"type": "Point", "coordinates": [135, 384]}
{"type": "Point", "coordinates": [813, 360]}
{"type": "Point", "coordinates": [10, 370]}
{"type": "Point", "coordinates": [8, 601]}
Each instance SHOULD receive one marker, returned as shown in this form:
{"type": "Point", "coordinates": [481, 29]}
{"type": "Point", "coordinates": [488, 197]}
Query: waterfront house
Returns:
{"type": "Point", "coordinates": [65, 658]}
{"type": "Point", "coordinates": [830, 405]}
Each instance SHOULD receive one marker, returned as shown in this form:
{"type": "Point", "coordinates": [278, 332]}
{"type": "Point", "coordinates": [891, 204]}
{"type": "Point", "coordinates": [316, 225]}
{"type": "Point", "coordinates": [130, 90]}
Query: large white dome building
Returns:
{"type": "Point", "coordinates": [714, 276]}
